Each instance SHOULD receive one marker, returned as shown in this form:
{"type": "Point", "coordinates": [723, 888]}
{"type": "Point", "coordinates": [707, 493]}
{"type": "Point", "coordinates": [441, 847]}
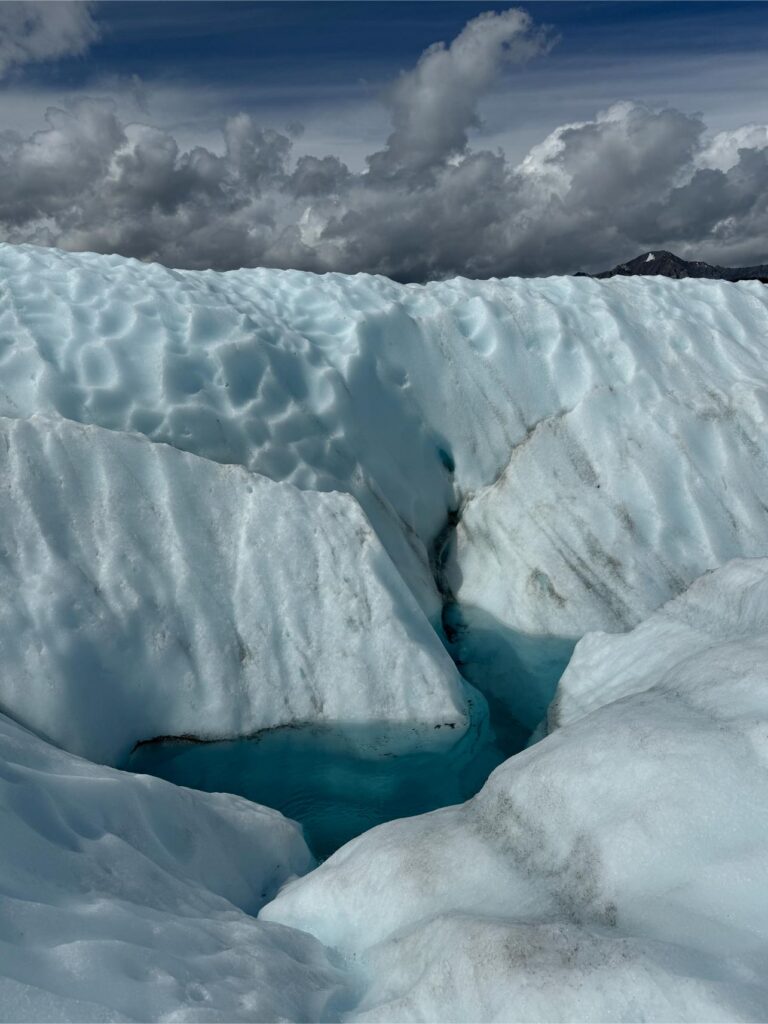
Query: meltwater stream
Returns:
{"type": "Point", "coordinates": [309, 776]}
{"type": "Point", "coordinates": [319, 778]}
{"type": "Point", "coordinates": [312, 776]}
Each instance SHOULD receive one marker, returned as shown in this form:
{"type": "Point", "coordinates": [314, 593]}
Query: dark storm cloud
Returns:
{"type": "Point", "coordinates": [427, 205]}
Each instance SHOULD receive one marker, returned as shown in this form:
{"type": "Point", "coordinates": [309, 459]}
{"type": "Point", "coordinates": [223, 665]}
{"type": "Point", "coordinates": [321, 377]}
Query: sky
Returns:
{"type": "Point", "coordinates": [417, 140]}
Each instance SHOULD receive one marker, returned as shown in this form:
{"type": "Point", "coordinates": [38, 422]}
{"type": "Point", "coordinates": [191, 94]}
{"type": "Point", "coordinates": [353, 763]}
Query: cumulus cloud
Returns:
{"type": "Point", "coordinates": [36, 30]}
{"type": "Point", "coordinates": [428, 205]}
{"type": "Point", "coordinates": [722, 150]}
{"type": "Point", "coordinates": [434, 105]}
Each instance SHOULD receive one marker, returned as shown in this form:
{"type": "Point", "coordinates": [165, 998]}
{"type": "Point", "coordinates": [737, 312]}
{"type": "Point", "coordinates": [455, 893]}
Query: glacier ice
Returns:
{"type": "Point", "coordinates": [648, 468]}
{"type": "Point", "coordinates": [494, 970]}
{"type": "Point", "coordinates": [602, 441]}
{"type": "Point", "coordinates": [615, 870]}
{"type": "Point", "coordinates": [146, 592]}
{"type": "Point", "coordinates": [243, 519]}
{"type": "Point", "coordinates": [125, 898]}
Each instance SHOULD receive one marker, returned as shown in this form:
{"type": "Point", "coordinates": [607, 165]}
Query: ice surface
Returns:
{"type": "Point", "coordinates": [604, 440]}
{"type": "Point", "coordinates": [611, 508]}
{"type": "Point", "coordinates": [146, 592]}
{"type": "Point", "coordinates": [126, 898]}
{"type": "Point", "coordinates": [495, 970]}
{"type": "Point", "coordinates": [282, 373]}
{"type": "Point", "coordinates": [616, 870]}
{"type": "Point", "coordinates": [302, 482]}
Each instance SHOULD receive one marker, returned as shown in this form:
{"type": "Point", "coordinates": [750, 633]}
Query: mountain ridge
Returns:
{"type": "Point", "coordinates": [662, 263]}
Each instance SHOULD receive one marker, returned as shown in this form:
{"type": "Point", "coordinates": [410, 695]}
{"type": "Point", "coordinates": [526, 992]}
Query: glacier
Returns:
{"type": "Point", "coordinates": [126, 898]}
{"type": "Point", "coordinates": [616, 870]}
{"type": "Point", "coordinates": [468, 578]}
{"type": "Point", "coordinates": [140, 586]}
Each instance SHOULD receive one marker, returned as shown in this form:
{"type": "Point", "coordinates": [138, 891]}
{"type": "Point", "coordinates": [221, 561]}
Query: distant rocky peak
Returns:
{"type": "Point", "coordinates": [661, 262]}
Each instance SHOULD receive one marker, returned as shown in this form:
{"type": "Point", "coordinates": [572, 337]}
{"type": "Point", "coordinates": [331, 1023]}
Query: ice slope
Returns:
{"type": "Point", "coordinates": [124, 898]}
{"type": "Point", "coordinates": [147, 592]}
{"type": "Point", "coordinates": [602, 515]}
{"type": "Point", "coordinates": [645, 465]}
{"type": "Point", "coordinates": [717, 631]}
{"type": "Point", "coordinates": [616, 870]}
{"type": "Point", "coordinates": [603, 440]}
{"type": "Point", "coordinates": [282, 373]}
{"type": "Point", "coordinates": [609, 508]}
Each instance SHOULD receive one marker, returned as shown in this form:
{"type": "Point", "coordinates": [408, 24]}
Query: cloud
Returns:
{"type": "Point", "coordinates": [722, 150]}
{"type": "Point", "coordinates": [434, 105]}
{"type": "Point", "coordinates": [428, 205]}
{"type": "Point", "coordinates": [32, 31]}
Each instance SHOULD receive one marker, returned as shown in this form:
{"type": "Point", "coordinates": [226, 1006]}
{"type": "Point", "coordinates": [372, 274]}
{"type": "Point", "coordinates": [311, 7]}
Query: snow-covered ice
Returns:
{"type": "Point", "coordinates": [124, 898]}
{"type": "Point", "coordinates": [645, 465]}
{"type": "Point", "coordinates": [257, 509]}
{"type": "Point", "coordinates": [146, 592]}
{"type": "Point", "coordinates": [617, 870]}
{"type": "Point", "coordinates": [604, 440]}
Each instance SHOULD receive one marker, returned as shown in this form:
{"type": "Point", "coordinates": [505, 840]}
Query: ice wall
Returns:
{"type": "Point", "coordinates": [603, 442]}
{"type": "Point", "coordinates": [146, 592]}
